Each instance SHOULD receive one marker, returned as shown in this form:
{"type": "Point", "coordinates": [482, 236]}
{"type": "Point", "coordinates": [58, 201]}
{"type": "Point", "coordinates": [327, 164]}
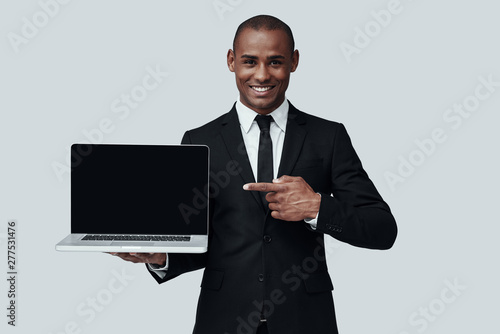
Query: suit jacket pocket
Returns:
{"type": "Point", "coordinates": [318, 282]}
{"type": "Point", "coordinates": [212, 279]}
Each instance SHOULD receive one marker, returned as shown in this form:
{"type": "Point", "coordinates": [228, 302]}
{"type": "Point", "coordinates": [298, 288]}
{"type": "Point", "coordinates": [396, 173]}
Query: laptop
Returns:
{"type": "Point", "coordinates": [138, 198]}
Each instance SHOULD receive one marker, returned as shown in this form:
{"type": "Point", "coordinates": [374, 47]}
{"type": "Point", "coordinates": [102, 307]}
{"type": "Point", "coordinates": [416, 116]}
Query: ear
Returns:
{"type": "Point", "coordinates": [230, 60]}
{"type": "Point", "coordinates": [295, 60]}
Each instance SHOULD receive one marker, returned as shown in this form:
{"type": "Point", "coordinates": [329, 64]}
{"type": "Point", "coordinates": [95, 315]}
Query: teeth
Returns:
{"type": "Point", "coordinates": [261, 89]}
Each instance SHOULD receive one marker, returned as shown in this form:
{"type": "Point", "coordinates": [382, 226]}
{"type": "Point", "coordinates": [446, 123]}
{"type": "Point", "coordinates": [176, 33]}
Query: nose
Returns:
{"type": "Point", "coordinates": [262, 73]}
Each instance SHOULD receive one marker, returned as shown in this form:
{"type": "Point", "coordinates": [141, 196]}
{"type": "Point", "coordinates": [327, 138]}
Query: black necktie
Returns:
{"type": "Point", "coordinates": [265, 156]}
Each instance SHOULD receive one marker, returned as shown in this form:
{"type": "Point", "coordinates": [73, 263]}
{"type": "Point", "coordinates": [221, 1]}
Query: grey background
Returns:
{"type": "Point", "coordinates": [396, 90]}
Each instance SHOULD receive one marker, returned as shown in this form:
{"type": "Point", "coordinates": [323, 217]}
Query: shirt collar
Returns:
{"type": "Point", "coordinates": [246, 115]}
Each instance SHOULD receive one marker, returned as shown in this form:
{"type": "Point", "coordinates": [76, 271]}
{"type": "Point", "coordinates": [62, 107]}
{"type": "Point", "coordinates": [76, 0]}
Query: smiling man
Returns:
{"type": "Point", "coordinates": [298, 179]}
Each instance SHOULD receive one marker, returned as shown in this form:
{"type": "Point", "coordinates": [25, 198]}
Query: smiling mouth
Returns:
{"type": "Point", "coordinates": [262, 89]}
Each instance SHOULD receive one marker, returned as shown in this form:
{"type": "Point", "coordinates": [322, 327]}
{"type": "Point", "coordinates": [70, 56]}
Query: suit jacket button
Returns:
{"type": "Point", "coordinates": [261, 277]}
{"type": "Point", "coordinates": [267, 238]}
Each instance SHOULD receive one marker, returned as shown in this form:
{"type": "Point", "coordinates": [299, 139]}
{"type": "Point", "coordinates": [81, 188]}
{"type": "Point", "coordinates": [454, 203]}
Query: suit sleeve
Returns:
{"type": "Point", "coordinates": [180, 263]}
{"type": "Point", "coordinates": [355, 212]}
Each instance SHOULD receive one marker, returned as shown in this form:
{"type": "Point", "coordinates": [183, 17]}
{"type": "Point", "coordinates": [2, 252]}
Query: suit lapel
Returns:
{"type": "Point", "coordinates": [233, 140]}
{"type": "Point", "coordinates": [294, 139]}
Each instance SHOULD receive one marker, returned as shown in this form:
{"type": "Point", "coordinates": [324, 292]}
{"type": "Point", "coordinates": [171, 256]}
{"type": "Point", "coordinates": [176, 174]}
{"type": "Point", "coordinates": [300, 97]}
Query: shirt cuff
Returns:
{"type": "Point", "coordinates": [313, 221]}
{"type": "Point", "coordinates": [159, 271]}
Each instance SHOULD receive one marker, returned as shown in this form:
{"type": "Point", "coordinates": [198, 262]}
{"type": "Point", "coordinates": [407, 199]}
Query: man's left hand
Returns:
{"type": "Point", "coordinates": [290, 198]}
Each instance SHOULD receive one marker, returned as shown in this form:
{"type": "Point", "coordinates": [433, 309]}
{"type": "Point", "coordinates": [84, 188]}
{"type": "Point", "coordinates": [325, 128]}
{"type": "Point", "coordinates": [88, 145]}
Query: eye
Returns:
{"type": "Point", "coordinates": [249, 61]}
{"type": "Point", "coordinates": [276, 62]}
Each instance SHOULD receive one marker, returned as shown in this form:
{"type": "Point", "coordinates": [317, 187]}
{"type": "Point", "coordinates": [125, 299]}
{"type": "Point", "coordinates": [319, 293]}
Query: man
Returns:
{"type": "Point", "coordinates": [265, 269]}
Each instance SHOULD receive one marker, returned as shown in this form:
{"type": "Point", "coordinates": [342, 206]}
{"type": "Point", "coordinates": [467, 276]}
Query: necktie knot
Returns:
{"type": "Point", "coordinates": [264, 122]}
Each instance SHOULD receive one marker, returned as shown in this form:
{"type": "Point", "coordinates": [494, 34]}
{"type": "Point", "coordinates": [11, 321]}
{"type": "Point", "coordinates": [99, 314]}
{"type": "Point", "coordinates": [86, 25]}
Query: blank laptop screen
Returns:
{"type": "Point", "coordinates": [139, 189]}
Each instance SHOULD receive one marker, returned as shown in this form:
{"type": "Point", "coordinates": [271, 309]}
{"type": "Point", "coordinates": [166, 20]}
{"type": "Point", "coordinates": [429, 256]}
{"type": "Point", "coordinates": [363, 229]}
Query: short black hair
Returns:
{"type": "Point", "coordinates": [266, 22]}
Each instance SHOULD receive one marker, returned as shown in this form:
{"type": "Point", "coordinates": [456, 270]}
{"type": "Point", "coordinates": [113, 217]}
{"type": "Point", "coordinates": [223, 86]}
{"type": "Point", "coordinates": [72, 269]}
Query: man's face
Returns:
{"type": "Point", "coordinates": [262, 63]}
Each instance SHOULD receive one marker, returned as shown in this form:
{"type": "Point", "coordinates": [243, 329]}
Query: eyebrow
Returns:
{"type": "Point", "coordinates": [255, 57]}
{"type": "Point", "coordinates": [249, 57]}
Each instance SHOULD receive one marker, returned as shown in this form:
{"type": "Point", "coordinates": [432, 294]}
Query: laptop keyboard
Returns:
{"type": "Point", "coordinates": [110, 237]}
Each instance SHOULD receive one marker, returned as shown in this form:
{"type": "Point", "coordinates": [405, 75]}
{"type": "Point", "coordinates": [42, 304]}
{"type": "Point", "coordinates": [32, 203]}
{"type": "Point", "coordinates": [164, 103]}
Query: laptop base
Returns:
{"type": "Point", "coordinates": [74, 243]}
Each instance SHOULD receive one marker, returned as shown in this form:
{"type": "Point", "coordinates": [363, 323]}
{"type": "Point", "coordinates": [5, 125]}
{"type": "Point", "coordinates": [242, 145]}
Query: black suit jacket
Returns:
{"type": "Point", "coordinates": [255, 262]}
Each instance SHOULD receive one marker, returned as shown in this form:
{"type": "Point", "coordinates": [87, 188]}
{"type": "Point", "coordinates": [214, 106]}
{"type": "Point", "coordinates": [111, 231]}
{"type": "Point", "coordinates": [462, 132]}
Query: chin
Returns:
{"type": "Point", "coordinates": [265, 105]}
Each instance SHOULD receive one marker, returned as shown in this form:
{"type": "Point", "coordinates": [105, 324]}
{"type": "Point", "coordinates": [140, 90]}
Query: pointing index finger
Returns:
{"type": "Point", "coordinates": [263, 186]}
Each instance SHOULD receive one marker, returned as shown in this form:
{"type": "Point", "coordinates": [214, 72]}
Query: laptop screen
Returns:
{"type": "Point", "coordinates": [139, 189]}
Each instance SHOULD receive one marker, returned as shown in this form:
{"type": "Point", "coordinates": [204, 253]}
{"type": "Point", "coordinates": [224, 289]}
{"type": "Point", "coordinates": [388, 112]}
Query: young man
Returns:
{"type": "Point", "coordinates": [265, 269]}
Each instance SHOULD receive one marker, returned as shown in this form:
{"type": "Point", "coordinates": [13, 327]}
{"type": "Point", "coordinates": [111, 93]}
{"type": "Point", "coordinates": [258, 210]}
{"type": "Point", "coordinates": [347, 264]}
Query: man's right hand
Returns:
{"type": "Point", "coordinates": [156, 258]}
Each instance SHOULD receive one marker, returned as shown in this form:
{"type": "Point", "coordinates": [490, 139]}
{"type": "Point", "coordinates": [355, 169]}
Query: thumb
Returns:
{"type": "Point", "coordinates": [283, 179]}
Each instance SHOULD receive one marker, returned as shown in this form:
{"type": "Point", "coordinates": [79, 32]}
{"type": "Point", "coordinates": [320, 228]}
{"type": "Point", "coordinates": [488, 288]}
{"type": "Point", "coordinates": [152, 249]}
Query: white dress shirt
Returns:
{"type": "Point", "coordinates": [251, 133]}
